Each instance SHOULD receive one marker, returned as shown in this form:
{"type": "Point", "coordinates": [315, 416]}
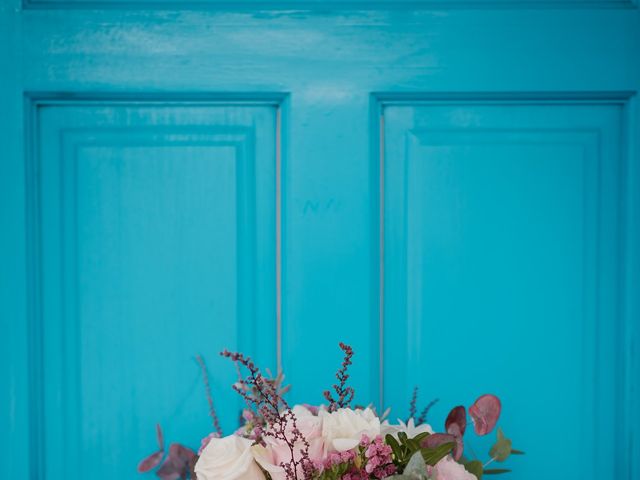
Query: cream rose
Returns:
{"type": "Point", "coordinates": [228, 458]}
{"type": "Point", "coordinates": [343, 429]}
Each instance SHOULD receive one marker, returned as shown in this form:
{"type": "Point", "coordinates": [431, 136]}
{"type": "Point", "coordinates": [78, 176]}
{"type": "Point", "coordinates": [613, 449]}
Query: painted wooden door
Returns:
{"type": "Point", "coordinates": [451, 187]}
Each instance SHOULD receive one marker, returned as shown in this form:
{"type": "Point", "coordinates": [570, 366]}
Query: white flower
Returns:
{"type": "Point", "coordinates": [343, 429]}
{"type": "Point", "coordinates": [449, 469]}
{"type": "Point", "coordinates": [409, 428]}
{"type": "Point", "coordinates": [228, 458]}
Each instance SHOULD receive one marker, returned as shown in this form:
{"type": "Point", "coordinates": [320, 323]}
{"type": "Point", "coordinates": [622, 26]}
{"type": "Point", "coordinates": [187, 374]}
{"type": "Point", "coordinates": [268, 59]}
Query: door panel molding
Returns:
{"type": "Point", "coordinates": [622, 341]}
{"type": "Point", "coordinates": [58, 345]}
{"type": "Point", "coordinates": [310, 5]}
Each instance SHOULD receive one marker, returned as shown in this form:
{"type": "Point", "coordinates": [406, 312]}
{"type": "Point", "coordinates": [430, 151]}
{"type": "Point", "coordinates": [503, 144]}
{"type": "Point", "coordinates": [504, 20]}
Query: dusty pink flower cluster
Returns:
{"type": "Point", "coordinates": [336, 459]}
{"type": "Point", "coordinates": [378, 454]}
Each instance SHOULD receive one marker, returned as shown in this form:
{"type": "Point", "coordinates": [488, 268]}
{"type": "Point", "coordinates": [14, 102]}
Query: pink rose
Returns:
{"type": "Point", "coordinates": [449, 469]}
{"type": "Point", "coordinates": [277, 451]}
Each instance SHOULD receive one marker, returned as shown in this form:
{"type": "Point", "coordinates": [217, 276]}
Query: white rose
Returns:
{"type": "Point", "coordinates": [228, 458]}
{"type": "Point", "coordinates": [343, 429]}
{"type": "Point", "coordinates": [409, 428]}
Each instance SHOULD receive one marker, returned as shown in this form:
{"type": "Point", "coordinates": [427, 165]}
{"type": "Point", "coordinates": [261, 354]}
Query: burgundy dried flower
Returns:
{"type": "Point", "coordinates": [412, 405]}
{"type": "Point", "coordinates": [423, 416]}
{"type": "Point", "coordinates": [264, 398]}
{"type": "Point", "coordinates": [344, 393]}
{"type": "Point", "coordinates": [212, 410]}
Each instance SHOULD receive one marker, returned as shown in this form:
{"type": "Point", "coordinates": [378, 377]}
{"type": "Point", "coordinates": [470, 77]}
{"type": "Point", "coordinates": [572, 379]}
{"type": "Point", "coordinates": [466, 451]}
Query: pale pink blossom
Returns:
{"type": "Point", "coordinates": [275, 452]}
{"type": "Point", "coordinates": [449, 469]}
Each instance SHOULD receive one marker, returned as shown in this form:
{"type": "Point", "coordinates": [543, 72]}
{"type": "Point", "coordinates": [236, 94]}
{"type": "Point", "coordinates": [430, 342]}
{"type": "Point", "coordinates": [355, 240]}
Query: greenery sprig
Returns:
{"type": "Point", "coordinates": [404, 449]}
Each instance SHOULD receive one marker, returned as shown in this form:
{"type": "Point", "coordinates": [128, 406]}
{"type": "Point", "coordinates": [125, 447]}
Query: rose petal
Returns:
{"type": "Point", "coordinates": [456, 422]}
{"type": "Point", "coordinates": [485, 413]}
{"type": "Point", "coordinates": [344, 444]}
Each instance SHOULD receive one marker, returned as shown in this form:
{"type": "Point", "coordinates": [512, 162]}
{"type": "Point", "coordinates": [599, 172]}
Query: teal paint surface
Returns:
{"type": "Point", "coordinates": [452, 188]}
{"type": "Point", "coordinates": [502, 264]}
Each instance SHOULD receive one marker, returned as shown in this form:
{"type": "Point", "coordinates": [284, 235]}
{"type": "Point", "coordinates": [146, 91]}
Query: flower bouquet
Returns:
{"type": "Point", "coordinates": [329, 442]}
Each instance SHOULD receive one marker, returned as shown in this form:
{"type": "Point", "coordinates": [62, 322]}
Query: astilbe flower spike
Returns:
{"type": "Point", "coordinates": [344, 393]}
{"type": "Point", "coordinates": [412, 405]}
{"type": "Point", "coordinates": [423, 416]}
{"type": "Point", "coordinates": [266, 401]}
{"type": "Point", "coordinates": [207, 386]}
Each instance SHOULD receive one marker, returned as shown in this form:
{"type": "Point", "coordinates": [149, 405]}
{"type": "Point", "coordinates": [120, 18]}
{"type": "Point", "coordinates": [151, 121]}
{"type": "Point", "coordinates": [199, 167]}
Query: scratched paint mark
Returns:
{"type": "Point", "coordinates": [318, 206]}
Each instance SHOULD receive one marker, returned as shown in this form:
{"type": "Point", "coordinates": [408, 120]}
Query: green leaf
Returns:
{"type": "Point", "coordinates": [416, 468]}
{"type": "Point", "coordinates": [474, 467]}
{"type": "Point", "coordinates": [395, 446]}
{"type": "Point", "coordinates": [500, 450]}
{"type": "Point", "coordinates": [421, 436]}
{"type": "Point", "coordinates": [413, 445]}
{"type": "Point", "coordinates": [402, 437]}
{"type": "Point", "coordinates": [434, 455]}
{"type": "Point", "coordinates": [516, 452]}
{"type": "Point", "coordinates": [496, 471]}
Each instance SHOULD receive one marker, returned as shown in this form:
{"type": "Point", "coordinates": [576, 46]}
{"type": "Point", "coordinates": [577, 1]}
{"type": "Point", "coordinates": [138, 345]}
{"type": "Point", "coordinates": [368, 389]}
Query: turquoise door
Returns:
{"type": "Point", "coordinates": [452, 187]}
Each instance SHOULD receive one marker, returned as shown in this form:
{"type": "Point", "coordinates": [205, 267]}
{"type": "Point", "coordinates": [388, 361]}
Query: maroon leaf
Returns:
{"type": "Point", "coordinates": [177, 464]}
{"type": "Point", "coordinates": [170, 470]}
{"type": "Point", "coordinates": [150, 462]}
{"type": "Point", "coordinates": [485, 413]}
{"type": "Point", "coordinates": [437, 439]}
{"type": "Point", "coordinates": [456, 422]}
{"type": "Point", "coordinates": [160, 437]}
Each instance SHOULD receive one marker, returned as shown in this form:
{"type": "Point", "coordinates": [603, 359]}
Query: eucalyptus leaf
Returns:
{"type": "Point", "coordinates": [474, 467]}
{"type": "Point", "coordinates": [434, 455]}
{"type": "Point", "coordinates": [496, 471]}
{"type": "Point", "coordinates": [501, 450]}
{"type": "Point", "coordinates": [485, 413]}
{"type": "Point", "coordinates": [516, 452]}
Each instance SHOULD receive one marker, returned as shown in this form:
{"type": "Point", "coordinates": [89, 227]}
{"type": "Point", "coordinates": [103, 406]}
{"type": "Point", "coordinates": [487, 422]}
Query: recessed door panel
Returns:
{"type": "Point", "coordinates": [501, 271]}
{"type": "Point", "coordinates": [156, 226]}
